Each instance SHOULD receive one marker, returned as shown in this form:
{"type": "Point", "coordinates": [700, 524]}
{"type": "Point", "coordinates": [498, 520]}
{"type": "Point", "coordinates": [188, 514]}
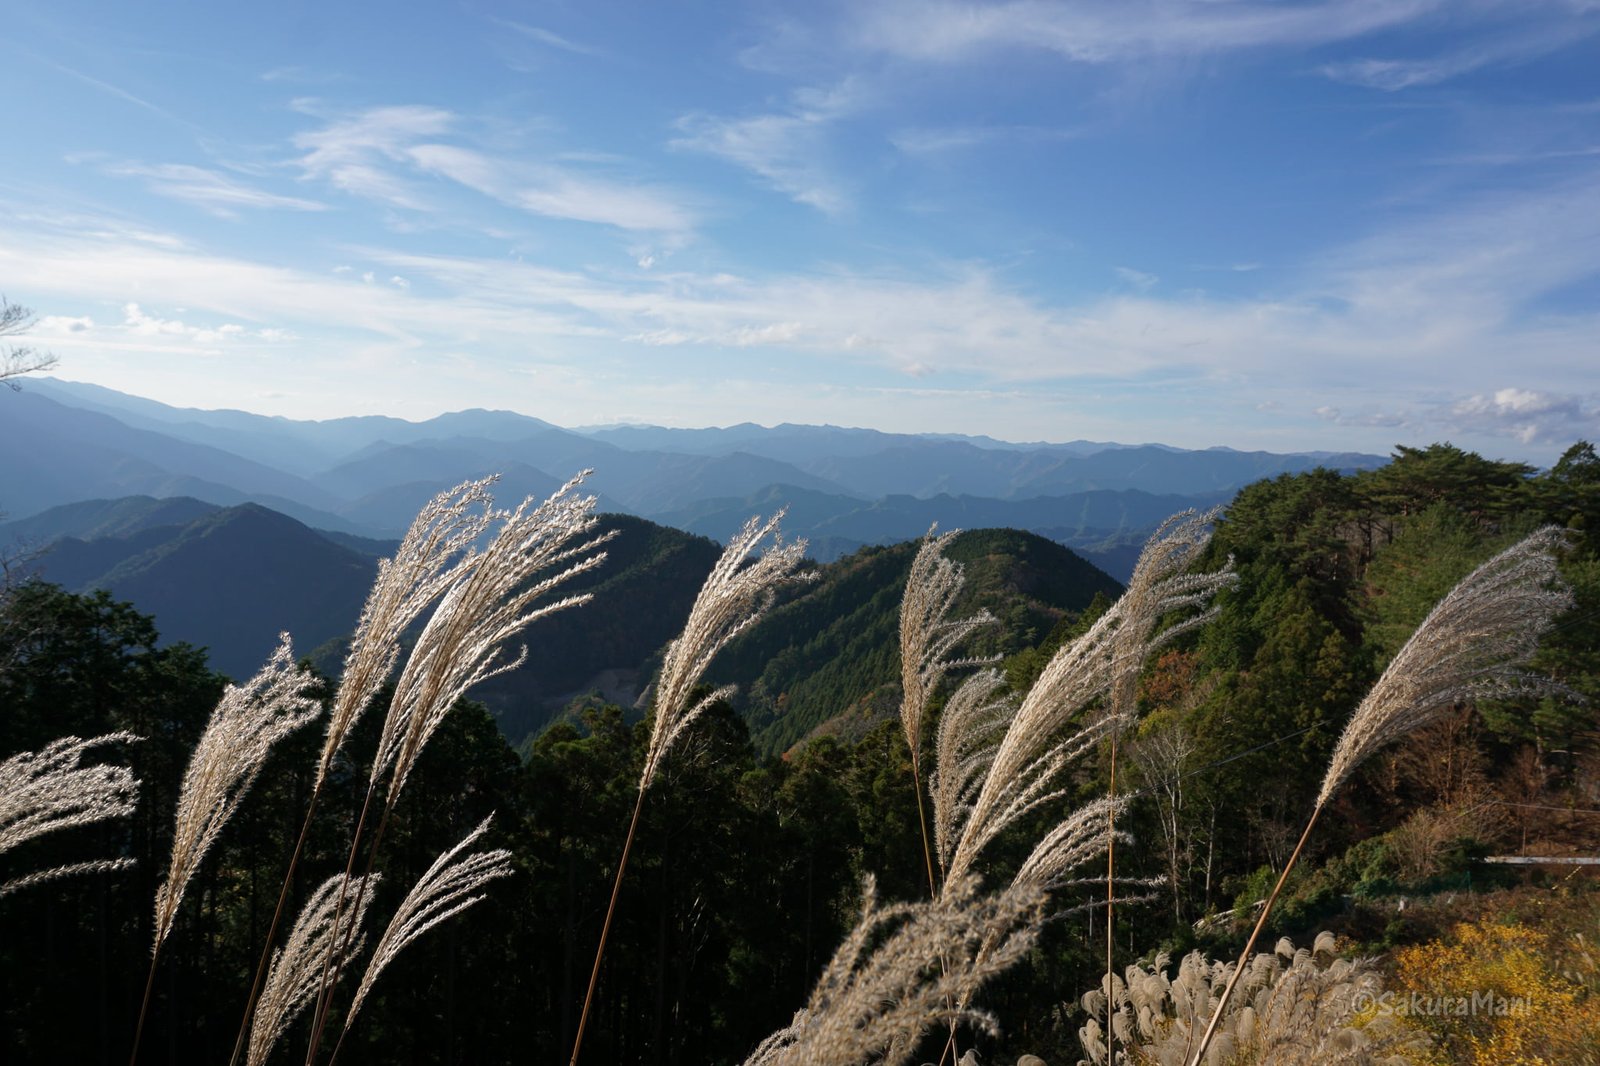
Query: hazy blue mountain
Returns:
{"type": "Point", "coordinates": [390, 465]}
{"type": "Point", "coordinates": [802, 444]}
{"type": "Point", "coordinates": [1159, 470]}
{"type": "Point", "coordinates": [230, 580]}
{"type": "Point", "coordinates": [366, 476]}
{"type": "Point", "coordinates": [301, 447]}
{"type": "Point", "coordinates": [72, 454]}
{"type": "Point", "coordinates": [718, 517]}
{"type": "Point", "coordinates": [104, 518]}
{"type": "Point", "coordinates": [1099, 524]}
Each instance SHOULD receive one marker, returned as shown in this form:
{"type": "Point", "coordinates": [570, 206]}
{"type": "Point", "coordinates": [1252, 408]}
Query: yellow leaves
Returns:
{"type": "Point", "coordinates": [1491, 996]}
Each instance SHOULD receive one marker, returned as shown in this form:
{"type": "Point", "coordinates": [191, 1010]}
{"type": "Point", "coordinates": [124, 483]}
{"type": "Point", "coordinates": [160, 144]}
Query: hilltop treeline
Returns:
{"type": "Point", "coordinates": [747, 864]}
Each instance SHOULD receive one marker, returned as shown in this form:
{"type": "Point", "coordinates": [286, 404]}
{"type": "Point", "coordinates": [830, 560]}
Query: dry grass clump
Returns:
{"type": "Point", "coordinates": [50, 790]}
{"type": "Point", "coordinates": [1294, 1008]}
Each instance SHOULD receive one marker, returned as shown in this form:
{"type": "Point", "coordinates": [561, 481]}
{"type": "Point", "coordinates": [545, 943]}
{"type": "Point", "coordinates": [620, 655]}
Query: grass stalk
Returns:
{"type": "Point", "coordinates": [1249, 945]}
{"type": "Point", "coordinates": [272, 930]}
{"type": "Point", "coordinates": [605, 929]}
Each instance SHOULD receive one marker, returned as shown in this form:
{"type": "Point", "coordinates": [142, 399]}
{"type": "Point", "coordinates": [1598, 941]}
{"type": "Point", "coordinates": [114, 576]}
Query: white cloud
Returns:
{"type": "Point", "coordinates": [1137, 278]}
{"type": "Point", "coordinates": [1494, 50]}
{"type": "Point", "coordinates": [787, 149]}
{"type": "Point", "coordinates": [1104, 31]}
{"type": "Point", "coordinates": [547, 37]}
{"type": "Point", "coordinates": [1449, 299]}
{"type": "Point", "coordinates": [1529, 416]}
{"type": "Point", "coordinates": [53, 324]}
{"type": "Point", "coordinates": [208, 189]}
{"type": "Point", "coordinates": [351, 152]}
{"type": "Point", "coordinates": [375, 154]}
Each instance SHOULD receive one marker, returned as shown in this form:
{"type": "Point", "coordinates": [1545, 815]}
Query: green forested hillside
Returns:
{"type": "Point", "coordinates": [826, 659]}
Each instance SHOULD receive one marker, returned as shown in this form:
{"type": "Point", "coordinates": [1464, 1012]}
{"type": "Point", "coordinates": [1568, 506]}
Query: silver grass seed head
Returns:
{"type": "Point", "coordinates": [536, 549]}
{"type": "Point", "coordinates": [733, 598]}
{"type": "Point", "coordinates": [436, 551]}
{"type": "Point", "coordinates": [296, 971]}
{"type": "Point", "coordinates": [970, 726]}
{"type": "Point", "coordinates": [73, 869]}
{"type": "Point", "coordinates": [1468, 647]}
{"type": "Point", "coordinates": [445, 889]}
{"type": "Point", "coordinates": [1053, 725]}
{"type": "Point", "coordinates": [248, 721]}
{"type": "Point", "coordinates": [903, 969]}
{"type": "Point", "coordinates": [50, 789]}
{"type": "Point", "coordinates": [928, 634]}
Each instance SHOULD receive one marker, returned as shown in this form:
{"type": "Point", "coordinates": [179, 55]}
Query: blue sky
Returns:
{"type": "Point", "coordinates": [1254, 223]}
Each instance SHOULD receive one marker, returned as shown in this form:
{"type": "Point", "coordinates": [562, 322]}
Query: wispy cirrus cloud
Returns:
{"type": "Point", "coordinates": [1495, 48]}
{"type": "Point", "coordinates": [554, 191]}
{"type": "Point", "coordinates": [787, 149]}
{"type": "Point", "coordinates": [356, 152]}
{"type": "Point", "coordinates": [379, 153]}
{"type": "Point", "coordinates": [548, 37]}
{"type": "Point", "coordinates": [1106, 31]}
{"type": "Point", "coordinates": [210, 190]}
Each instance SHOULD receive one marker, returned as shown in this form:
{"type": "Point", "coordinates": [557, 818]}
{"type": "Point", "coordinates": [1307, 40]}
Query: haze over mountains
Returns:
{"type": "Point", "coordinates": [845, 487]}
{"type": "Point", "coordinates": [229, 527]}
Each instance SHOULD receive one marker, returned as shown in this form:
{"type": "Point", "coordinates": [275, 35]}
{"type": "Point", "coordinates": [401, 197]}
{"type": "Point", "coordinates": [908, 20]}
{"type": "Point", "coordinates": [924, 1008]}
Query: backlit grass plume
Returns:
{"type": "Point", "coordinates": [903, 969]}
{"type": "Point", "coordinates": [970, 725]}
{"type": "Point", "coordinates": [434, 554]}
{"type": "Point", "coordinates": [536, 549]}
{"type": "Point", "coordinates": [505, 589]}
{"type": "Point", "coordinates": [50, 790]}
{"type": "Point", "coordinates": [247, 722]}
{"type": "Point", "coordinates": [734, 596]}
{"type": "Point", "coordinates": [447, 888]}
{"type": "Point", "coordinates": [1469, 647]}
{"type": "Point", "coordinates": [1472, 645]}
{"type": "Point", "coordinates": [437, 551]}
{"type": "Point", "coordinates": [928, 635]}
{"type": "Point", "coordinates": [297, 966]}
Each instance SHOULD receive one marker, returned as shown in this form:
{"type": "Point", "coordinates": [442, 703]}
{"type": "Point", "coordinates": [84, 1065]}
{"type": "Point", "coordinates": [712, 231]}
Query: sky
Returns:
{"type": "Point", "coordinates": [1277, 224]}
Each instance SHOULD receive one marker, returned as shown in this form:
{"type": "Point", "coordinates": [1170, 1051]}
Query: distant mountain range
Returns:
{"type": "Point", "coordinates": [229, 527]}
{"type": "Point", "coordinates": [367, 476]}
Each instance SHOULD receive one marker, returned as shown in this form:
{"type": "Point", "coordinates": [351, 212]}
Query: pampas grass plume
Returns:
{"type": "Point", "coordinates": [248, 720]}
{"type": "Point", "coordinates": [50, 790]}
{"type": "Point", "coordinates": [733, 597]}
{"type": "Point", "coordinates": [447, 888]}
{"type": "Point", "coordinates": [297, 966]}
